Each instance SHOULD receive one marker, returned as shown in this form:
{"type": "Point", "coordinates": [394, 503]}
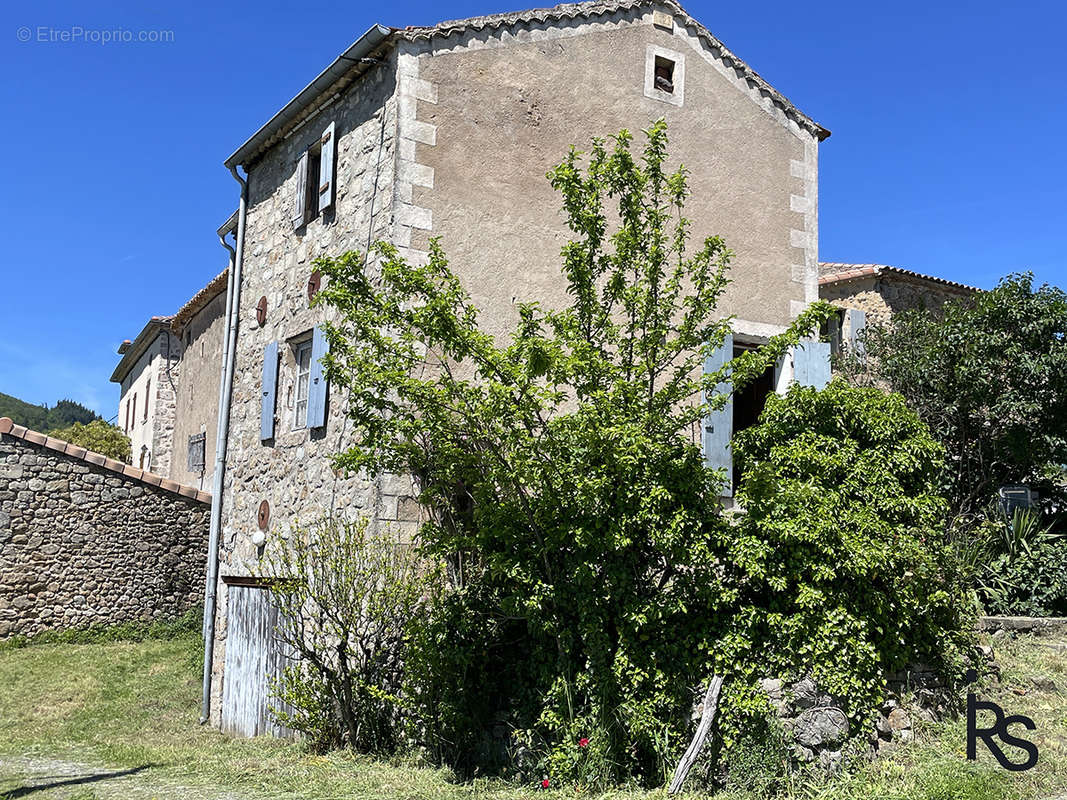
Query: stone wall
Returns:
{"type": "Point", "coordinates": [882, 296]}
{"type": "Point", "coordinates": [166, 388]}
{"type": "Point", "coordinates": [197, 402]}
{"type": "Point", "coordinates": [88, 541]}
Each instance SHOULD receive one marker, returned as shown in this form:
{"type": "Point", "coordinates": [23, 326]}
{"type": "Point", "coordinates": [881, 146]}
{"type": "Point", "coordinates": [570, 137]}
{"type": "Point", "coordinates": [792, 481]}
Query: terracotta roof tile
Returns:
{"type": "Point", "coordinates": [836, 272]}
{"type": "Point", "coordinates": [9, 428]}
{"type": "Point", "coordinates": [199, 300]}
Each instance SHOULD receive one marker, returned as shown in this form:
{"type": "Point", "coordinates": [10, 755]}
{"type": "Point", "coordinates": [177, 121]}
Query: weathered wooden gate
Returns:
{"type": "Point", "coordinates": [254, 658]}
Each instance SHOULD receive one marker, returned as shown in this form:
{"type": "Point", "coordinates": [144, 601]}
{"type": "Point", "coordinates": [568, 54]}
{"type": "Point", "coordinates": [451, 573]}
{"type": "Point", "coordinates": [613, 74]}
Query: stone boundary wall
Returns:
{"type": "Point", "coordinates": [88, 541]}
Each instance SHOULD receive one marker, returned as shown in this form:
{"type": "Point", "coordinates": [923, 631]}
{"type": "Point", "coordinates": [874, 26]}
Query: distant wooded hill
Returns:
{"type": "Point", "coordinates": [41, 418]}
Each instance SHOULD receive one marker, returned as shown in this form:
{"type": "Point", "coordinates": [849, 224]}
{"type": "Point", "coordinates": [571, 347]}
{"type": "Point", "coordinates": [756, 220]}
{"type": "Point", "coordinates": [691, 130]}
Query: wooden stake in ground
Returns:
{"type": "Point", "coordinates": [711, 705]}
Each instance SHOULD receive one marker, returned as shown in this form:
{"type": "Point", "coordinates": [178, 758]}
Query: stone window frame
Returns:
{"type": "Point", "coordinates": [677, 97]}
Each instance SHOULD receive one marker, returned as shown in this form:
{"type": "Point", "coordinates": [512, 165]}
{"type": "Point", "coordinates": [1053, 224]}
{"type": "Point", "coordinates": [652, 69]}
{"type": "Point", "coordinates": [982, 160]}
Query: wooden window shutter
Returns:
{"type": "Point", "coordinates": [135, 408]}
{"type": "Point", "coordinates": [300, 198]}
{"type": "Point", "coordinates": [326, 162]}
{"type": "Point", "coordinates": [317, 380]}
{"type": "Point", "coordinates": [719, 425]}
{"type": "Point", "coordinates": [811, 364]}
{"type": "Point", "coordinates": [147, 394]}
{"type": "Point", "coordinates": [270, 389]}
{"type": "Point", "coordinates": [856, 321]}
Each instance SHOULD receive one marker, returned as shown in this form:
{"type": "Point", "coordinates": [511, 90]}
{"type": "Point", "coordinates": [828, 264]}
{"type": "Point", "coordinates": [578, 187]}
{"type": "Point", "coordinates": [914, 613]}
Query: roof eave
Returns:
{"type": "Point", "coordinates": [140, 344]}
{"type": "Point", "coordinates": [361, 48]}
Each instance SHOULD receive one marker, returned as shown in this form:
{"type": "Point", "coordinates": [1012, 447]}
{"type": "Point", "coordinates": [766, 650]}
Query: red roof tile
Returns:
{"type": "Point", "coordinates": [9, 428]}
{"type": "Point", "coordinates": [836, 272]}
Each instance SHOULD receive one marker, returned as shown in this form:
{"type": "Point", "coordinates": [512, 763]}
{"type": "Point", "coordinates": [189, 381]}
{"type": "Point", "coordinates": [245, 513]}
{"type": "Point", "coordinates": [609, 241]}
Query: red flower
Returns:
{"type": "Point", "coordinates": [544, 783]}
{"type": "Point", "coordinates": [583, 742]}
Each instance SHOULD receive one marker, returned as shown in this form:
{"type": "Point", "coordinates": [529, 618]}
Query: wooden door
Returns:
{"type": "Point", "coordinates": [255, 657]}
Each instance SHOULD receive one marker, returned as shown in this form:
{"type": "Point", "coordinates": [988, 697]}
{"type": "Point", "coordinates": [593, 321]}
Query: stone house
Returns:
{"type": "Point", "coordinates": [199, 327]}
{"type": "Point", "coordinates": [875, 292]}
{"type": "Point", "coordinates": [89, 541]}
{"type": "Point", "coordinates": [447, 131]}
{"type": "Point", "coordinates": [147, 375]}
{"type": "Point", "coordinates": [169, 379]}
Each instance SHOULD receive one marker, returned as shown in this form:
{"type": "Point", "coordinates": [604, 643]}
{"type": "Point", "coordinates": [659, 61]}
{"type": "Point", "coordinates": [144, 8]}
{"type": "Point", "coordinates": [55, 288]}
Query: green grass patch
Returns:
{"type": "Point", "coordinates": [124, 704]}
{"type": "Point", "coordinates": [185, 625]}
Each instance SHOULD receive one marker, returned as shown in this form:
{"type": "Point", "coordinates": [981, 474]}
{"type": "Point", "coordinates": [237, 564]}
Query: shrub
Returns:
{"type": "Point", "coordinates": [99, 437]}
{"type": "Point", "coordinates": [988, 375]}
{"type": "Point", "coordinates": [842, 566]}
{"type": "Point", "coordinates": [347, 598]}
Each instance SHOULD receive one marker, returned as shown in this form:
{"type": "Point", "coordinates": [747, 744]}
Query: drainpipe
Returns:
{"type": "Point", "coordinates": [233, 302]}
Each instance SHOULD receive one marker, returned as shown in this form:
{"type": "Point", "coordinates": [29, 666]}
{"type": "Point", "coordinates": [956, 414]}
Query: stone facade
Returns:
{"type": "Point", "coordinates": [87, 541]}
{"type": "Point", "coordinates": [200, 328]}
{"type": "Point", "coordinates": [448, 132]}
{"type": "Point", "coordinates": [148, 375]}
{"type": "Point", "coordinates": [882, 291]}
{"type": "Point", "coordinates": [169, 377]}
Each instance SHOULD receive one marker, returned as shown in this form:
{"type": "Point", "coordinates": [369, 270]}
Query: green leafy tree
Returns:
{"type": "Point", "coordinates": [560, 467]}
{"type": "Point", "coordinates": [97, 436]}
{"type": "Point", "coordinates": [988, 375]}
{"type": "Point", "coordinates": [41, 418]}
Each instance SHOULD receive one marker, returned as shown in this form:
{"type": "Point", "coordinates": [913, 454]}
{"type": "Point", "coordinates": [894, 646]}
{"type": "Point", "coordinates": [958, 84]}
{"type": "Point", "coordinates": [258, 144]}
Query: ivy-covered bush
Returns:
{"type": "Point", "coordinates": [843, 569]}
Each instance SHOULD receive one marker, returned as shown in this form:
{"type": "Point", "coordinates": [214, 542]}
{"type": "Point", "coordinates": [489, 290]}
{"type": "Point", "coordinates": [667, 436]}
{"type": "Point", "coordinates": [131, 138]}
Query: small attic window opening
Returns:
{"type": "Point", "coordinates": [664, 74]}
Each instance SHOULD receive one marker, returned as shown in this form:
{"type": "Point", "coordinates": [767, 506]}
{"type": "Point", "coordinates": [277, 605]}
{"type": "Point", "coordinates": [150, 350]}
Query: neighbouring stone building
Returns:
{"type": "Point", "coordinates": [169, 378]}
{"type": "Point", "coordinates": [148, 377]}
{"type": "Point", "coordinates": [88, 541]}
{"type": "Point", "coordinates": [200, 327]}
{"type": "Point", "coordinates": [447, 131]}
{"type": "Point", "coordinates": [874, 292]}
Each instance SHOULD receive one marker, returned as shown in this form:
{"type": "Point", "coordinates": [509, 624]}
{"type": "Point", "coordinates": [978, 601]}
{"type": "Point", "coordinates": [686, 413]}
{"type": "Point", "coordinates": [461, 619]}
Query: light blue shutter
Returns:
{"type": "Point", "coordinates": [299, 214]}
{"type": "Point", "coordinates": [719, 425]}
{"type": "Point", "coordinates": [856, 321]}
{"type": "Point", "coordinates": [317, 381]}
{"type": "Point", "coordinates": [269, 384]}
{"type": "Point", "coordinates": [326, 159]}
{"type": "Point", "coordinates": [811, 364]}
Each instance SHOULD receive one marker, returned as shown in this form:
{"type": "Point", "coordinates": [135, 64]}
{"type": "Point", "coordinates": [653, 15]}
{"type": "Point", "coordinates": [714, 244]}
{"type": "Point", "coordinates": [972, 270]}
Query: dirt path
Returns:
{"type": "Point", "coordinates": [41, 778]}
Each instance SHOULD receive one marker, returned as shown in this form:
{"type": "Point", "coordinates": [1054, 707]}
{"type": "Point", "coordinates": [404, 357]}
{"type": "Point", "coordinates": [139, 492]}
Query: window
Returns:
{"type": "Point", "coordinates": [135, 408]}
{"type": "Point", "coordinates": [664, 77]}
{"type": "Point", "coordinates": [147, 394]}
{"type": "Point", "coordinates": [303, 382]}
{"type": "Point", "coordinates": [127, 428]}
{"type": "Point", "coordinates": [833, 331]}
{"type": "Point", "coordinates": [748, 403]}
{"type": "Point", "coordinates": [313, 191]}
{"type": "Point", "coordinates": [196, 452]}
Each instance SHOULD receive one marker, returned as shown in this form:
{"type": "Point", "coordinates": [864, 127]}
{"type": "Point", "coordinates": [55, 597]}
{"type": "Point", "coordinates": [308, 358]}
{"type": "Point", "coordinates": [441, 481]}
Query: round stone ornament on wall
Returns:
{"type": "Point", "coordinates": [261, 311]}
{"type": "Point", "coordinates": [263, 516]}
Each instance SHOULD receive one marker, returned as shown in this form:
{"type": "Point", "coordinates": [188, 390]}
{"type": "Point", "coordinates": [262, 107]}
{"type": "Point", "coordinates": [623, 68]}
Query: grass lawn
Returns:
{"type": "Point", "coordinates": [119, 719]}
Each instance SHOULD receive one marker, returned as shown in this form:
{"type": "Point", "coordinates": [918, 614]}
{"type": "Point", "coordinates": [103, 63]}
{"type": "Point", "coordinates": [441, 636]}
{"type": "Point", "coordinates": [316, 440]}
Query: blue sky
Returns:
{"type": "Point", "coordinates": [947, 152]}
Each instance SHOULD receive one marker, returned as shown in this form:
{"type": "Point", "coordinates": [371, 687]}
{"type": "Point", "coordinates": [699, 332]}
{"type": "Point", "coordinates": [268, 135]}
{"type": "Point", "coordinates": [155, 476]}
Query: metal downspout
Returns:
{"type": "Point", "coordinates": [233, 302]}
